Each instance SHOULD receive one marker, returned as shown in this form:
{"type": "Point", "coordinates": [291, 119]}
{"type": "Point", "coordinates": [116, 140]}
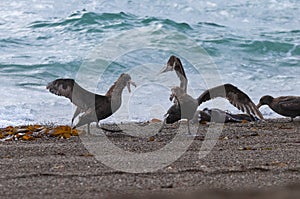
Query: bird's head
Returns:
{"type": "Point", "coordinates": [172, 62]}
{"type": "Point", "coordinates": [176, 91]}
{"type": "Point", "coordinates": [265, 100]}
{"type": "Point", "coordinates": [61, 87]}
{"type": "Point", "coordinates": [125, 80]}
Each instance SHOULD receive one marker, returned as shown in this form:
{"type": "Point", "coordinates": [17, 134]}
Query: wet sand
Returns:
{"type": "Point", "coordinates": [254, 160]}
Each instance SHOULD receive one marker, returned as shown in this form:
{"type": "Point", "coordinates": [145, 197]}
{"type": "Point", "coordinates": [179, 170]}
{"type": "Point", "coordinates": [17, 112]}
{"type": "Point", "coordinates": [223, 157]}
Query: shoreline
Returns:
{"type": "Point", "coordinates": [258, 157]}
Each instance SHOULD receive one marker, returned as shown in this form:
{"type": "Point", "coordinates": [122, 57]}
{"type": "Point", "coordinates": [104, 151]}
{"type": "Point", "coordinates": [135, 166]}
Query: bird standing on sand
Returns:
{"type": "Point", "coordinates": [174, 112]}
{"type": "Point", "coordinates": [234, 95]}
{"type": "Point", "coordinates": [95, 107]}
{"type": "Point", "coordinates": [186, 104]}
{"type": "Point", "coordinates": [288, 106]}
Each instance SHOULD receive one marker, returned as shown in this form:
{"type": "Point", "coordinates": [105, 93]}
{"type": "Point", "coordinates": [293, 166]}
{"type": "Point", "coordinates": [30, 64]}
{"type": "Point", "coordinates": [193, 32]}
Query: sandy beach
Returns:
{"type": "Point", "coordinates": [255, 160]}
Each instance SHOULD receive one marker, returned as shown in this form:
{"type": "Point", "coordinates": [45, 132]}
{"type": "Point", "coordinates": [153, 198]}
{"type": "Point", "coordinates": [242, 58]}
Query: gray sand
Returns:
{"type": "Point", "coordinates": [253, 159]}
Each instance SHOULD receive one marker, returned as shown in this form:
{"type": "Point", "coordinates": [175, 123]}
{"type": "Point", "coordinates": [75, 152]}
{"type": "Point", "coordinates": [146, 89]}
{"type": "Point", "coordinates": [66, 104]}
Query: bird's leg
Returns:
{"type": "Point", "coordinates": [188, 125]}
{"type": "Point", "coordinates": [292, 119]}
{"type": "Point", "coordinates": [162, 126]}
{"type": "Point", "coordinates": [88, 126]}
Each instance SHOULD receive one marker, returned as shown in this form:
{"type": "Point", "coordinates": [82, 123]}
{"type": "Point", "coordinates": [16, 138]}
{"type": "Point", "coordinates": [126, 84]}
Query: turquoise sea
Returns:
{"type": "Point", "coordinates": [254, 45]}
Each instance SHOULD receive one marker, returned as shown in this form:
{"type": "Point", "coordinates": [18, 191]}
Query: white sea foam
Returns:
{"type": "Point", "coordinates": [254, 45]}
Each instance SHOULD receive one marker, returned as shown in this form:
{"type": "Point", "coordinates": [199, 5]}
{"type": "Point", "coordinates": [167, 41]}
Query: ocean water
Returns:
{"type": "Point", "coordinates": [254, 45]}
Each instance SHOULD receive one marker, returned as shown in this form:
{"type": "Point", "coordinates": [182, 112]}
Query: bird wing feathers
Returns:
{"type": "Point", "coordinates": [235, 96]}
{"type": "Point", "coordinates": [291, 103]}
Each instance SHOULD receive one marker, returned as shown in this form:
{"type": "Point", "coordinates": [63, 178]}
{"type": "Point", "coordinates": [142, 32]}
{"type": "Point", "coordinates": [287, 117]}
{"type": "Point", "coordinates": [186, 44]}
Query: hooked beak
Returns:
{"type": "Point", "coordinates": [50, 85]}
{"type": "Point", "coordinates": [171, 97]}
{"type": "Point", "coordinates": [173, 94]}
{"type": "Point", "coordinates": [128, 85]}
{"type": "Point", "coordinates": [258, 105]}
{"type": "Point", "coordinates": [166, 69]}
{"type": "Point", "coordinates": [166, 115]}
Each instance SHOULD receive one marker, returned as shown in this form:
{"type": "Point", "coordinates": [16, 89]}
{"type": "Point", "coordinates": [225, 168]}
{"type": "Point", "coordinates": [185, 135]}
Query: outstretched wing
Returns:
{"type": "Point", "coordinates": [235, 96]}
{"type": "Point", "coordinates": [62, 87]}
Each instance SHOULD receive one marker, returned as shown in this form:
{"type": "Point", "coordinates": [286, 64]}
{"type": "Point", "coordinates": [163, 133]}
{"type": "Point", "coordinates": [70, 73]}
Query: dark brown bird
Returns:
{"type": "Point", "coordinates": [288, 106]}
{"type": "Point", "coordinates": [234, 95]}
{"type": "Point", "coordinates": [95, 107]}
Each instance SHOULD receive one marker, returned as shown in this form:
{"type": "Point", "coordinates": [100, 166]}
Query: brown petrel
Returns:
{"type": "Point", "coordinates": [288, 106]}
{"type": "Point", "coordinates": [93, 106]}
